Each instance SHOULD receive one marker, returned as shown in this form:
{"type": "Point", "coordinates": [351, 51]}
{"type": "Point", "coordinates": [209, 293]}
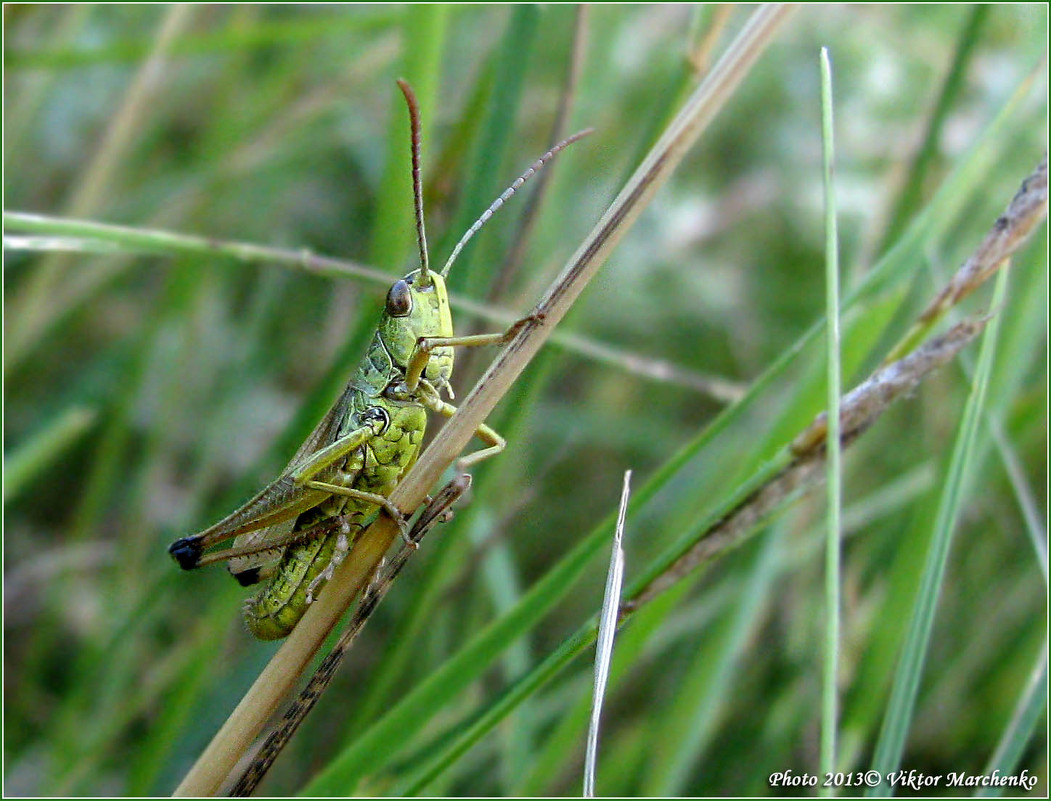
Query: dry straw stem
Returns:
{"type": "Point", "coordinates": [87, 236]}
{"type": "Point", "coordinates": [297, 711]}
{"type": "Point", "coordinates": [860, 408]}
{"type": "Point", "coordinates": [95, 183]}
{"type": "Point", "coordinates": [805, 457]}
{"type": "Point", "coordinates": [281, 674]}
{"type": "Point", "coordinates": [1025, 211]}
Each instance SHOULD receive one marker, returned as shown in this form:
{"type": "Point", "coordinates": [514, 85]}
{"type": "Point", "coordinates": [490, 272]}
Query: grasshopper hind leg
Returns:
{"type": "Point", "coordinates": [339, 553]}
{"type": "Point", "coordinates": [186, 551]}
{"type": "Point", "coordinates": [301, 573]}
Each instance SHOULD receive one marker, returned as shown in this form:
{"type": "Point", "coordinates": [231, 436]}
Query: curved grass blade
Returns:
{"type": "Point", "coordinates": [900, 707]}
{"type": "Point", "coordinates": [607, 628]}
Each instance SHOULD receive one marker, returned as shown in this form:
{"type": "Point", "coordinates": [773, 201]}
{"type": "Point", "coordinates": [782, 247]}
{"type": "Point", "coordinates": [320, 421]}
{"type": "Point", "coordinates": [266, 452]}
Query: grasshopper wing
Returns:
{"type": "Point", "coordinates": [266, 522]}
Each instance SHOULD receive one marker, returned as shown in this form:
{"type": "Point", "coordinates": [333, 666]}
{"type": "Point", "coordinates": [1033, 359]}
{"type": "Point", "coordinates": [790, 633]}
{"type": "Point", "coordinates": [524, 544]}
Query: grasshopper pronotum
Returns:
{"type": "Point", "coordinates": [295, 531]}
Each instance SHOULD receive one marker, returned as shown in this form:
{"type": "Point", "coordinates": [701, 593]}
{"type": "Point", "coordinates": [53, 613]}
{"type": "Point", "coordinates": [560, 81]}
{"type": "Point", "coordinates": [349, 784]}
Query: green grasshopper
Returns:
{"type": "Point", "coordinates": [302, 525]}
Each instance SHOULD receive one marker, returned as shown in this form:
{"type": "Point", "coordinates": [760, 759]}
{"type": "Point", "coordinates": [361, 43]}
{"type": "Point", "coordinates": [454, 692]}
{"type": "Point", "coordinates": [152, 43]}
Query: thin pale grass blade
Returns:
{"type": "Point", "coordinates": [900, 707]}
{"type": "Point", "coordinates": [607, 628]}
{"type": "Point", "coordinates": [830, 662]}
{"type": "Point", "coordinates": [59, 244]}
{"type": "Point", "coordinates": [108, 238]}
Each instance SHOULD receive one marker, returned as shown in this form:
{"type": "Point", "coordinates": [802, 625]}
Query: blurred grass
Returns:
{"type": "Point", "coordinates": [279, 125]}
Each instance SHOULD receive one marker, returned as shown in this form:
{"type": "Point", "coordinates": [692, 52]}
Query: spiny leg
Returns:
{"type": "Point", "coordinates": [339, 553]}
{"type": "Point", "coordinates": [382, 501]}
{"type": "Point", "coordinates": [261, 512]}
{"type": "Point", "coordinates": [322, 529]}
{"type": "Point", "coordinates": [324, 458]}
{"type": "Point", "coordinates": [439, 508]}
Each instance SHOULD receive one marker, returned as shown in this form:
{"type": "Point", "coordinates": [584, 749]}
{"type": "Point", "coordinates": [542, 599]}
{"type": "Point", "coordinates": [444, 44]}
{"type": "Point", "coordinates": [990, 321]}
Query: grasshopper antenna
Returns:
{"type": "Point", "coordinates": [489, 212]}
{"type": "Point", "coordinates": [417, 183]}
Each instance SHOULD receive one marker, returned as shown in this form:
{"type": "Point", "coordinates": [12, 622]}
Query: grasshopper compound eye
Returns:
{"type": "Point", "coordinates": [399, 299]}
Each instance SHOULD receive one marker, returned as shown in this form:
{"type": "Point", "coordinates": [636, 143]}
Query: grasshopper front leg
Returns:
{"type": "Point", "coordinates": [421, 354]}
{"type": "Point", "coordinates": [430, 398]}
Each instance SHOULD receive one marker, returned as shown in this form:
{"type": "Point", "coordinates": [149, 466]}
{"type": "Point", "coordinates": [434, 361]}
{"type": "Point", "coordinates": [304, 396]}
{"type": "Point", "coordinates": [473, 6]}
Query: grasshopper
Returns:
{"type": "Point", "coordinates": [295, 531]}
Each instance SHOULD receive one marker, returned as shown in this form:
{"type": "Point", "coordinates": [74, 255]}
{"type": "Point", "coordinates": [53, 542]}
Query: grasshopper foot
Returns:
{"type": "Point", "coordinates": [186, 551]}
{"type": "Point", "coordinates": [406, 534]}
{"type": "Point", "coordinates": [533, 318]}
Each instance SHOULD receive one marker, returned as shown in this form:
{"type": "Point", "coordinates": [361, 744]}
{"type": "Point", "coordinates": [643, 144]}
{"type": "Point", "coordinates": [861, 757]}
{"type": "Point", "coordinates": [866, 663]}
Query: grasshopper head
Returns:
{"type": "Point", "coordinates": [418, 306]}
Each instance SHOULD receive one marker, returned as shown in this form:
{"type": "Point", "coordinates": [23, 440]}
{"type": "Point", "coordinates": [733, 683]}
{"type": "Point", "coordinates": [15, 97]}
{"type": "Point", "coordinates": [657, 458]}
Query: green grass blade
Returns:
{"type": "Point", "coordinates": [900, 707]}
{"type": "Point", "coordinates": [483, 180]}
{"type": "Point", "coordinates": [418, 704]}
{"type": "Point", "coordinates": [1030, 708]}
{"type": "Point", "coordinates": [423, 46]}
{"type": "Point", "coordinates": [207, 353]}
{"type": "Point", "coordinates": [31, 459]}
{"type": "Point", "coordinates": [694, 712]}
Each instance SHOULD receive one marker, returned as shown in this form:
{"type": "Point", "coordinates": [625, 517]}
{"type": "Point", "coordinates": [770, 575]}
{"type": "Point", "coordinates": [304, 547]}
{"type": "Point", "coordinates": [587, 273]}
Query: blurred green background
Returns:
{"type": "Point", "coordinates": [145, 396]}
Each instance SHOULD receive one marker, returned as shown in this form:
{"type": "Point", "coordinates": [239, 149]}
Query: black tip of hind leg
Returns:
{"type": "Point", "coordinates": [186, 551]}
